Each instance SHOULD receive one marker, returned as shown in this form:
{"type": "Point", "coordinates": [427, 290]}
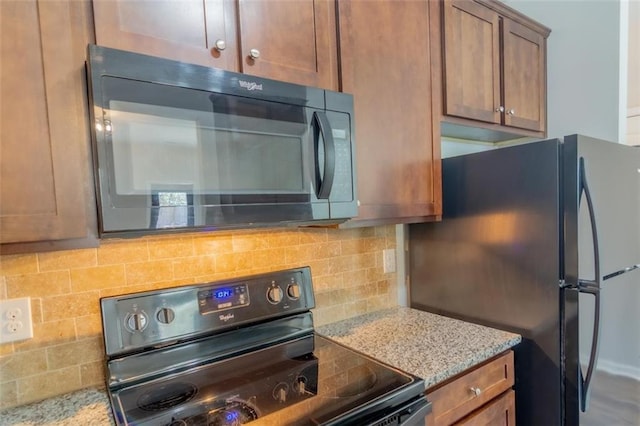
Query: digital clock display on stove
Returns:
{"type": "Point", "coordinates": [220, 298]}
{"type": "Point", "coordinates": [223, 293]}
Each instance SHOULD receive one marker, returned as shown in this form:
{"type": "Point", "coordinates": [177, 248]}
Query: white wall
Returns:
{"type": "Point", "coordinates": [584, 96]}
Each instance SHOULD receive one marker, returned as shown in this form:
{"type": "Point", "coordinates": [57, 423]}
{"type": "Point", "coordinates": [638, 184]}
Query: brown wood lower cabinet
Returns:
{"type": "Point", "coordinates": [482, 395]}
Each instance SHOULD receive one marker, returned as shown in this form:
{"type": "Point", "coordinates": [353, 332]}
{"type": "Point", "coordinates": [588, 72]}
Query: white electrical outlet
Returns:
{"type": "Point", "coordinates": [15, 320]}
{"type": "Point", "coordinates": [388, 260]}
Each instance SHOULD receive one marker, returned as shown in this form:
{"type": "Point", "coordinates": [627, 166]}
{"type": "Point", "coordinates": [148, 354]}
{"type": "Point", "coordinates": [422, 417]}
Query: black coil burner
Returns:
{"type": "Point", "coordinates": [167, 396]}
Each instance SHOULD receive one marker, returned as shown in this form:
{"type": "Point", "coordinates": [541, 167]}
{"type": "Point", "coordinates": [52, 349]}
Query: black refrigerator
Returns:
{"type": "Point", "coordinates": [529, 236]}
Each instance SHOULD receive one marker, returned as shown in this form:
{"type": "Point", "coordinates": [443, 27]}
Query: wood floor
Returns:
{"type": "Point", "coordinates": [615, 401]}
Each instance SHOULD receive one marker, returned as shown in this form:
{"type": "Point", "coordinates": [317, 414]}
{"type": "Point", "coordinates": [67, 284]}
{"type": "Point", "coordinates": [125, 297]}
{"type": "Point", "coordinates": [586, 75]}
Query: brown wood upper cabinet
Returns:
{"type": "Point", "coordinates": [45, 185]}
{"type": "Point", "coordinates": [293, 41]}
{"type": "Point", "coordinates": [494, 69]}
{"type": "Point", "coordinates": [386, 64]}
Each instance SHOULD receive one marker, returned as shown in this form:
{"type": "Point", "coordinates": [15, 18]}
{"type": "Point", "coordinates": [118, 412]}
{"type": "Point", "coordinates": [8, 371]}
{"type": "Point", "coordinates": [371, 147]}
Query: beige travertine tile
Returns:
{"type": "Point", "coordinates": [327, 282]}
{"type": "Point", "coordinates": [354, 278]}
{"type": "Point", "coordinates": [307, 252]}
{"type": "Point", "coordinates": [97, 277]}
{"type": "Point", "coordinates": [34, 388]}
{"type": "Point", "coordinates": [6, 349]}
{"type": "Point", "coordinates": [88, 326]}
{"type": "Point", "coordinates": [36, 310]}
{"type": "Point", "coordinates": [383, 288]}
{"type": "Point", "coordinates": [354, 246]}
{"type": "Point", "coordinates": [329, 314]}
{"type": "Point", "coordinates": [75, 353]}
{"type": "Point", "coordinates": [208, 246]}
{"type": "Point", "coordinates": [114, 252]}
{"type": "Point", "coordinates": [284, 239]}
{"type": "Point", "coordinates": [171, 248]}
{"type": "Point", "coordinates": [318, 267]}
{"type": "Point", "coordinates": [250, 242]}
{"type": "Point", "coordinates": [49, 333]}
{"type": "Point", "coordinates": [39, 284]}
{"type": "Point", "coordinates": [8, 394]}
{"type": "Point", "coordinates": [18, 264]}
{"type": "Point", "coordinates": [192, 266]}
{"type": "Point", "coordinates": [57, 260]}
{"type": "Point", "coordinates": [71, 306]}
{"type": "Point", "coordinates": [148, 272]}
{"type": "Point", "coordinates": [3, 287]}
{"type": "Point", "coordinates": [92, 374]}
{"type": "Point", "coordinates": [262, 259]}
{"type": "Point", "coordinates": [227, 262]}
{"type": "Point", "coordinates": [22, 364]}
{"type": "Point", "coordinates": [313, 235]}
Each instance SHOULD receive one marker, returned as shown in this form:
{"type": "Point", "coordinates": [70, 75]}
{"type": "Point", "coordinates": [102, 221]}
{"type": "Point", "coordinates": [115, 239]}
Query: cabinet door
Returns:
{"type": "Point", "coordinates": [471, 61]}
{"type": "Point", "coordinates": [295, 41]}
{"type": "Point", "coordinates": [499, 412]}
{"type": "Point", "coordinates": [524, 77]}
{"type": "Point", "coordinates": [454, 400]}
{"type": "Point", "coordinates": [385, 58]}
{"type": "Point", "coordinates": [185, 30]}
{"type": "Point", "coordinates": [44, 138]}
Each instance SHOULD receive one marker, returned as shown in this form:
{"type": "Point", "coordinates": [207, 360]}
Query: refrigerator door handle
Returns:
{"type": "Point", "coordinates": [621, 271]}
{"type": "Point", "coordinates": [590, 287]}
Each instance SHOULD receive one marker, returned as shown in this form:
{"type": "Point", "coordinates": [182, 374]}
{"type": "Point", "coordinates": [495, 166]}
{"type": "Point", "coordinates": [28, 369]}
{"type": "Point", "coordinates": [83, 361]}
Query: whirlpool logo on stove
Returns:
{"type": "Point", "coordinates": [250, 85]}
{"type": "Point", "coordinates": [226, 317]}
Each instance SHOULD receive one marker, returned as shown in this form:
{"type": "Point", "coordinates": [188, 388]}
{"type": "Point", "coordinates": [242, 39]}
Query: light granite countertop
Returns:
{"type": "Point", "coordinates": [429, 346]}
{"type": "Point", "coordinates": [432, 347]}
{"type": "Point", "coordinates": [83, 407]}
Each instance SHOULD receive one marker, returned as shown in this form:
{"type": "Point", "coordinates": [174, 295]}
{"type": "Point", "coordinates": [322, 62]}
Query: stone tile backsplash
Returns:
{"type": "Point", "coordinates": [65, 287]}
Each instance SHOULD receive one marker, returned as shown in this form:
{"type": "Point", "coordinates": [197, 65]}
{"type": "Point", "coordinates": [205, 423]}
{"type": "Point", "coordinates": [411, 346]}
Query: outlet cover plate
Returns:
{"type": "Point", "coordinates": [15, 320]}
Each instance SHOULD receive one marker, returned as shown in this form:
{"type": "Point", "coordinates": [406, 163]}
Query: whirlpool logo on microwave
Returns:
{"type": "Point", "coordinates": [250, 85]}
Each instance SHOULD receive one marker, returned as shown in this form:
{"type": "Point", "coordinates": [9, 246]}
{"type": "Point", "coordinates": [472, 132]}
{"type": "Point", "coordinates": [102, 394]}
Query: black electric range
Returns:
{"type": "Point", "coordinates": [244, 350]}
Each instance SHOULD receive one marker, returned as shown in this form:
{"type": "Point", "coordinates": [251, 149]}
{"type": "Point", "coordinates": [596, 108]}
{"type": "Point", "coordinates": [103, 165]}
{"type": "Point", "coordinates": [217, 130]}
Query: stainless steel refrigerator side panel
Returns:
{"type": "Point", "coordinates": [495, 260]}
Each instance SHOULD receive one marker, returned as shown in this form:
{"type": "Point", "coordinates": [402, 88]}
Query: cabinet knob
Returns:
{"type": "Point", "coordinates": [475, 391]}
{"type": "Point", "coordinates": [220, 45]}
{"type": "Point", "coordinates": [500, 109]}
{"type": "Point", "coordinates": [254, 53]}
{"type": "Point", "coordinates": [511, 112]}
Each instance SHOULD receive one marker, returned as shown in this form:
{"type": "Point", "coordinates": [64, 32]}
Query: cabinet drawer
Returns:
{"type": "Point", "coordinates": [499, 412]}
{"type": "Point", "coordinates": [463, 394]}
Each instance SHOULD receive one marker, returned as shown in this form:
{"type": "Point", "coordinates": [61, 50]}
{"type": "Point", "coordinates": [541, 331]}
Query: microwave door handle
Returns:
{"type": "Point", "coordinates": [591, 287]}
{"type": "Point", "coordinates": [326, 182]}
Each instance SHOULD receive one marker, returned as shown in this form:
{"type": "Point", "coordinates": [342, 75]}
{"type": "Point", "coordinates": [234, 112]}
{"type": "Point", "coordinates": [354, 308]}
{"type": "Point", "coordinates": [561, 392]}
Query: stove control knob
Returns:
{"type": "Point", "coordinates": [280, 392]}
{"type": "Point", "coordinates": [274, 294]}
{"type": "Point", "coordinates": [293, 291]}
{"type": "Point", "coordinates": [136, 321]}
{"type": "Point", "coordinates": [165, 315]}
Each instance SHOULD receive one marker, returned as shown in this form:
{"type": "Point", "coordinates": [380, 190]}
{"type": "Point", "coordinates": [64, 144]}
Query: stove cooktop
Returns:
{"type": "Point", "coordinates": [311, 380]}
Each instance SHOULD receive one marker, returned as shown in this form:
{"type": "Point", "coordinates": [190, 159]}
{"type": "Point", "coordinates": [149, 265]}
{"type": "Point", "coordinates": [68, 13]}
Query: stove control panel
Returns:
{"type": "Point", "coordinates": [141, 320]}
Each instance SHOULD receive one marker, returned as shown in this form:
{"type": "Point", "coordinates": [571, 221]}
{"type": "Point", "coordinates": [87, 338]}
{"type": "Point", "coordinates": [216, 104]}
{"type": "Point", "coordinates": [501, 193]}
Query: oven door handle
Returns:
{"type": "Point", "coordinates": [415, 414]}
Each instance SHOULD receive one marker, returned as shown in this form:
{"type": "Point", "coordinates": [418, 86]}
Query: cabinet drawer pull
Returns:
{"type": "Point", "coordinates": [500, 109]}
{"type": "Point", "coordinates": [475, 391]}
{"type": "Point", "coordinates": [254, 53]}
{"type": "Point", "coordinates": [511, 112]}
{"type": "Point", "coordinates": [220, 45]}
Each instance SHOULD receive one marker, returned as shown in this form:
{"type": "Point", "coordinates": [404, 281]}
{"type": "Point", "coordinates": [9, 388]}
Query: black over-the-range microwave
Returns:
{"type": "Point", "coordinates": [180, 146]}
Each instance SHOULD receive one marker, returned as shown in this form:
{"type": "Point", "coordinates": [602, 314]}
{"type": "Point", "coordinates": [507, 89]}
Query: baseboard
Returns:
{"type": "Point", "coordinates": [619, 369]}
